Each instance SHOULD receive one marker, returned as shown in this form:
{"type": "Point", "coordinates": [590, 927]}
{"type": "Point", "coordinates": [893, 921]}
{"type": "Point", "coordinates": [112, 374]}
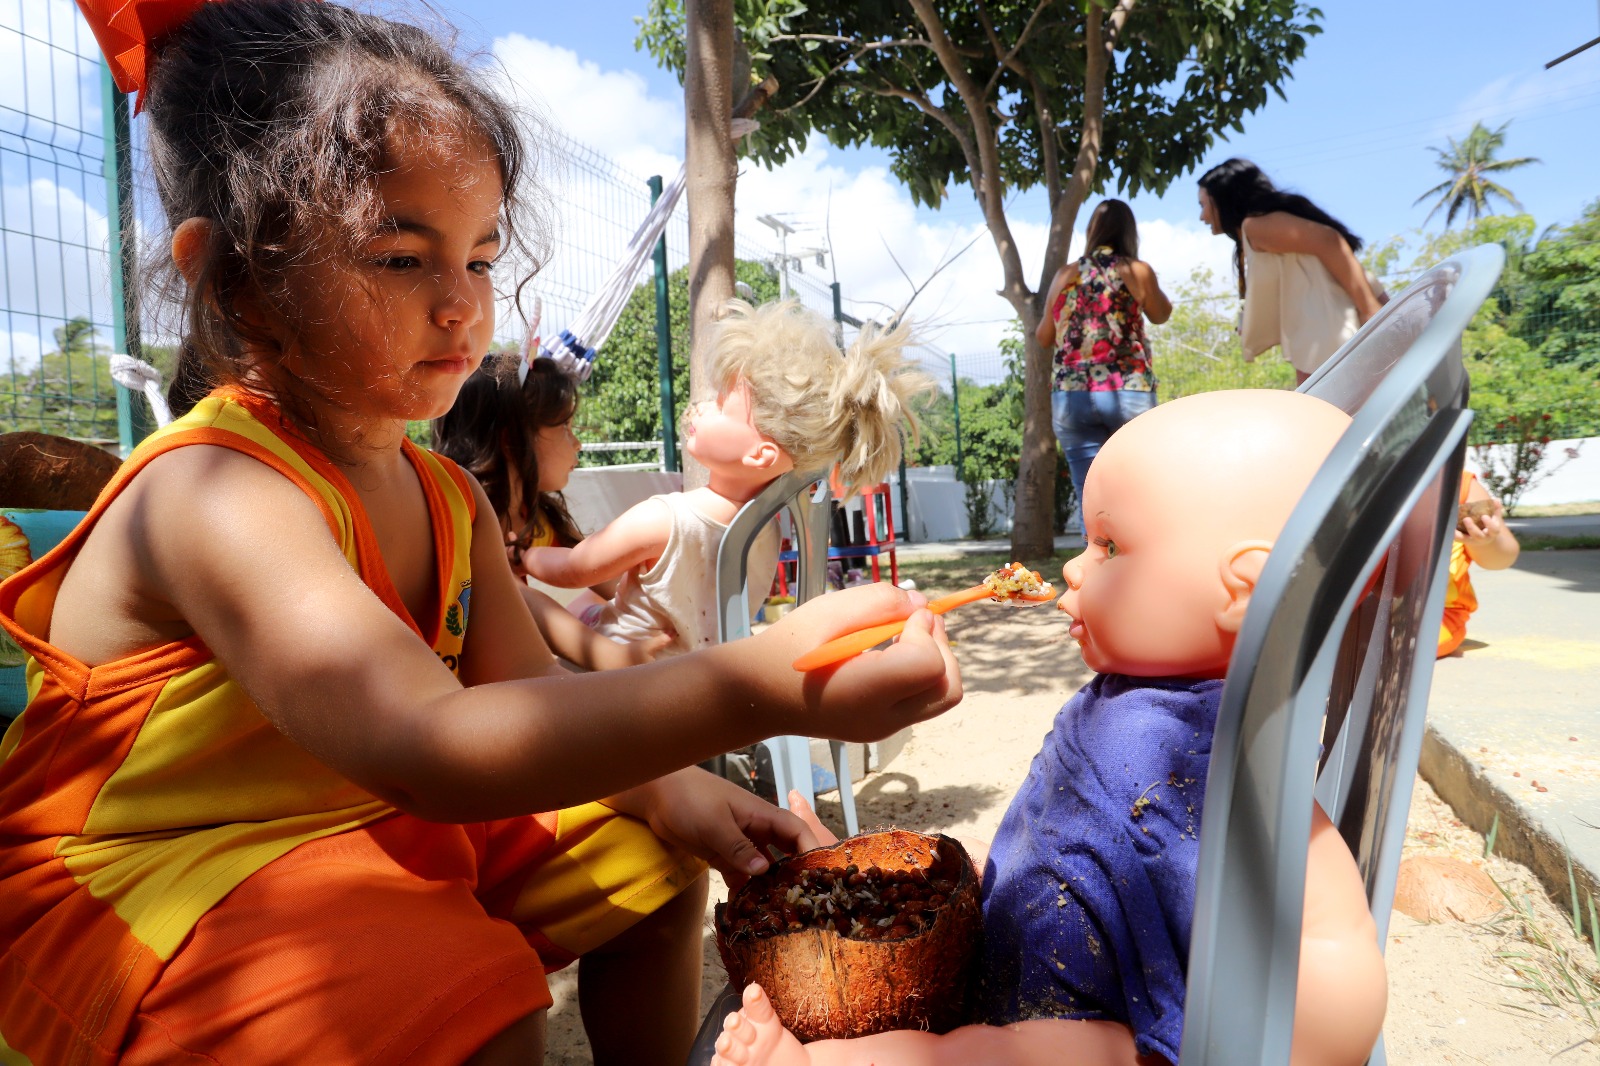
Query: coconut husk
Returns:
{"type": "Point", "coordinates": [51, 473]}
{"type": "Point", "coordinates": [825, 985]}
{"type": "Point", "coordinates": [1437, 888]}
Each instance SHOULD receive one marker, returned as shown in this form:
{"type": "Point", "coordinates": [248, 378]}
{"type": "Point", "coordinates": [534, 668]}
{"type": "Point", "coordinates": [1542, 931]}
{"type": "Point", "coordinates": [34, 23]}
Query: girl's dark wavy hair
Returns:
{"type": "Point", "coordinates": [274, 119]}
{"type": "Point", "coordinates": [1112, 225]}
{"type": "Point", "coordinates": [490, 432]}
{"type": "Point", "coordinates": [1240, 190]}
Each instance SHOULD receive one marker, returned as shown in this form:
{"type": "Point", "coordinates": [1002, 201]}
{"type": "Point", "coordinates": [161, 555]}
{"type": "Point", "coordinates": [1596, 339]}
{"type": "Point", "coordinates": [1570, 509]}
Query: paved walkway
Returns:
{"type": "Point", "coordinates": [1514, 716]}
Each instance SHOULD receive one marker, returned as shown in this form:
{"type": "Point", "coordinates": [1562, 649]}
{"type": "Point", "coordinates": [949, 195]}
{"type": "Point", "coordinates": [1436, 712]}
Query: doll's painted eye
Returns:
{"type": "Point", "coordinates": [1108, 544]}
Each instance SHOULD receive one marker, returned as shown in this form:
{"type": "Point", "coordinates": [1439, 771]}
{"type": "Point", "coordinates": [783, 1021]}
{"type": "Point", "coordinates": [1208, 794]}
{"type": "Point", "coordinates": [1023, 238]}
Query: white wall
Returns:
{"type": "Point", "coordinates": [1567, 481]}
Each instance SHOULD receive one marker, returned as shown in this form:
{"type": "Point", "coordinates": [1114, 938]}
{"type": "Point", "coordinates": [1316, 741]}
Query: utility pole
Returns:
{"type": "Point", "coordinates": [782, 229]}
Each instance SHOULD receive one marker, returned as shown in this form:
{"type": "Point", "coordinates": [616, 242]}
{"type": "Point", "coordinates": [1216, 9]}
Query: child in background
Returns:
{"type": "Point", "coordinates": [511, 430]}
{"type": "Point", "coordinates": [1482, 537]}
{"type": "Point", "coordinates": [1088, 888]}
{"type": "Point", "coordinates": [275, 795]}
{"type": "Point", "coordinates": [786, 399]}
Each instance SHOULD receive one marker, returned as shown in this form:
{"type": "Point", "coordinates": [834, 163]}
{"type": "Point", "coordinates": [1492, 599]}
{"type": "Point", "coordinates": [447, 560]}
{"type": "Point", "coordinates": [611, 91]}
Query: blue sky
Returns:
{"type": "Point", "coordinates": [1376, 88]}
{"type": "Point", "coordinates": [1383, 81]}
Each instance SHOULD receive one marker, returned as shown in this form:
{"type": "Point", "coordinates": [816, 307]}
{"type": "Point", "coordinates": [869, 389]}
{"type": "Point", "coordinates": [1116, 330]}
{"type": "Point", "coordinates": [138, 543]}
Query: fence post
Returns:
{"type": "Point", "coordinates": [669, 423]}
{"type": "Point", "coordinates": [133, 417]}
{"type": "Point", "coordinates": [955, 399]}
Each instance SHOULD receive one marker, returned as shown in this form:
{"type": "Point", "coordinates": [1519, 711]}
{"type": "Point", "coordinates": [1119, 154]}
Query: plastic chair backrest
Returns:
{"type": "Point", "coordinates": [807, 498]}
{"type": "Point", "coordinates": [1386, 495]}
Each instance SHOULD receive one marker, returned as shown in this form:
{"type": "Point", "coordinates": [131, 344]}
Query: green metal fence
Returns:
{"type": "Point", "coordinates": [59, 311]}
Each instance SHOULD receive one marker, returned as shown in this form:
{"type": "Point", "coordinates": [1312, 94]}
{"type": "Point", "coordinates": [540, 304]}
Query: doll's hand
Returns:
{"type": "Point", "coordinates": [722, 823]}
{"type": "Point", "coordinates": [875, 694]}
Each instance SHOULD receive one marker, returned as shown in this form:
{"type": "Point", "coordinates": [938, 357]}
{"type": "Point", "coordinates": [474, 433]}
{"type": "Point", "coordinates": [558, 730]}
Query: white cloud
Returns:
{"type": "Point", "coordinates": [865, 210]}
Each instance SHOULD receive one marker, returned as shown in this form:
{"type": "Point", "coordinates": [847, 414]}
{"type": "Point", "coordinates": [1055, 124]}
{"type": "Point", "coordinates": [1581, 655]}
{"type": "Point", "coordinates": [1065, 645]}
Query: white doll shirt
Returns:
{"type": "Point", "coordinates": [680, 590]}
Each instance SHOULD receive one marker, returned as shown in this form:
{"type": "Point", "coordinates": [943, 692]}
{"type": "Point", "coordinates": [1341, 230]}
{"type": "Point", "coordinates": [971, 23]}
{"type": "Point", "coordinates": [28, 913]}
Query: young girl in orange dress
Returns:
{"type": "Point", "coordinates": [277, 792]}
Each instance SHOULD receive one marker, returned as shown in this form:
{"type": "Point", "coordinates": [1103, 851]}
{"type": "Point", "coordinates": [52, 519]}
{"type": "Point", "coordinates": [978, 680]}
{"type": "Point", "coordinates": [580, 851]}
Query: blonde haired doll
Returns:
{"type": "Point", "coordinates": [786, 399]}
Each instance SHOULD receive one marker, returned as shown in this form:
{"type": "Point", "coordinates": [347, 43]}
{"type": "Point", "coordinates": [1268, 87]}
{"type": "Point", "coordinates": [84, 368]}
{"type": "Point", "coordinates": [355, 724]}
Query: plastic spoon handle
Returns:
{"type": "Point", "coordinates": [841, 648]}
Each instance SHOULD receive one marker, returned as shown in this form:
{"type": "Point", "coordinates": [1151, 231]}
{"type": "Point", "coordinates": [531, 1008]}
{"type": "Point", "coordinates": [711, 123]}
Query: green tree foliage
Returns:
{"type": "Point", "coordinates": [1003, 95]}
{"type": "Point", "coordinates": [1470, 162]}
{"type": "Point", "coordinates": [70, 392]}
{"type": "Point", "coordinates": [621, 401]}
{"type": "Point", "coordinates": [1197, 349]}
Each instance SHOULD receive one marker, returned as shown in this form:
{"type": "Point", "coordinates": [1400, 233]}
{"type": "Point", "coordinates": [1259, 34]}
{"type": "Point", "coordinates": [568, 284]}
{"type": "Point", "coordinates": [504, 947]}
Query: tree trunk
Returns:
{"type": "Point", "coordinates": [1033, 510]}
{"type": "Point", "coordinates": [712, 171]}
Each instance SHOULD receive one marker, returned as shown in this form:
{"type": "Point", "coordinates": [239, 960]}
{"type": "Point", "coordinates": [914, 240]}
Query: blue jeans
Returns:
{"type": "Point", "coordinates": [1082, 420]}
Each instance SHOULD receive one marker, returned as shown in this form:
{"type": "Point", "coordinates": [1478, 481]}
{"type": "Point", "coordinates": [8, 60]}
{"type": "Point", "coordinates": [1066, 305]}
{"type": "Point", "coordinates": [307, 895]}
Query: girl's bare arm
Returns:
{"type": "Point", "coordinates": [1281, 232]}
{"type": "Point", "coordinates": [1141, 281]}
{"type": "Point", "coordinates": [250, 566]}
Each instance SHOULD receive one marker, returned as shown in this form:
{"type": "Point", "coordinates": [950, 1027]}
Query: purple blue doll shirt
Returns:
{"type": "Point", "coordinates": [1088, 896]}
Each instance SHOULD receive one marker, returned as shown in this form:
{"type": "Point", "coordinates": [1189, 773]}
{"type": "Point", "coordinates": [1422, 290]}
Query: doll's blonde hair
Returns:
{"type": "Point", "coordinates": [821, 406]}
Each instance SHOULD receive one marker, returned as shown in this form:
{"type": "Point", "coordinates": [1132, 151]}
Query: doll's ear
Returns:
{"type": "Point", "coordinates": [1241, 567]}
{"type": "Point", "coordinates": [765, 455]}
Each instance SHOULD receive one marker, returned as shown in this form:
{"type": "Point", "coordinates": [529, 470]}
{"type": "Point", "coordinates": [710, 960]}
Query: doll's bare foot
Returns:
{"type": "Point", "coordinates": [755, 1036]}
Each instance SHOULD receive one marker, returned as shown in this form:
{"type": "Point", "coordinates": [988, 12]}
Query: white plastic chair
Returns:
{"type": "Point", "coordinates": [806, 496]}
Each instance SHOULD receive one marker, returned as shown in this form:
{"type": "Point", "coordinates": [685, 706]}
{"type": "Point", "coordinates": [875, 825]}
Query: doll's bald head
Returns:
{"type": "Point", "coordinates": [1181, 507]}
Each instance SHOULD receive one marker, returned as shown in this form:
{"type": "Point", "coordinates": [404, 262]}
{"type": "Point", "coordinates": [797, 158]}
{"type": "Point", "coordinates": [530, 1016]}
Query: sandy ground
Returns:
{"type": "Point", "coordinates": [1454, 988]}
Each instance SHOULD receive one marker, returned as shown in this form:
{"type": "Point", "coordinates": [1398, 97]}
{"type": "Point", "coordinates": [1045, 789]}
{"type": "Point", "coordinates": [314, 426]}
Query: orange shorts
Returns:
{"type": "Point", "coordinates": [402, 942]}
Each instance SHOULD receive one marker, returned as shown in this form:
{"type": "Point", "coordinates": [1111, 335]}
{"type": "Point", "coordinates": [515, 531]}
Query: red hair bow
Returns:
{"type": "Point", "coordinates": [127, 28]}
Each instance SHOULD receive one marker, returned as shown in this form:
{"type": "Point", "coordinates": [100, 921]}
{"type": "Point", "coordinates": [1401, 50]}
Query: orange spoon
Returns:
{"type": "Point", "coordinates": [841, 648]}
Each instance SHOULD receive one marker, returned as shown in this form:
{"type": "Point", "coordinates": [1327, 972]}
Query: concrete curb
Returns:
{"type": "Point", "coordinates": [1522, 836]}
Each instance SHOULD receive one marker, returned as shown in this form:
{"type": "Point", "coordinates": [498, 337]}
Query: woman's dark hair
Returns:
{"type": "Point", "coordinates": [490, 433]}
{"type": "Point", "coordinates": [274, 119]}
{"type": "Point", "coordinates": [1239, 190]}
{"type": "Point", "coordinates": [1112, 226]}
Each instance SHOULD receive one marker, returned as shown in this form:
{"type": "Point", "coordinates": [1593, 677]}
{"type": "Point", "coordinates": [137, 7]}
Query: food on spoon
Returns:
{"type": "Point", "coordinates": [1017, 582]}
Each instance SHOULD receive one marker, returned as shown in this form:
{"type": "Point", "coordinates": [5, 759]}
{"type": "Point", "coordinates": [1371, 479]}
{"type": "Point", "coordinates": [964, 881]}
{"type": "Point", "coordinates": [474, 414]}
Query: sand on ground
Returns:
{"type": "Point", "coordinates": [1455, 993]}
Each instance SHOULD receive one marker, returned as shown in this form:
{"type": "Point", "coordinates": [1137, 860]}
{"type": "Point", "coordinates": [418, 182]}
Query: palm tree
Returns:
{"type": "Point", "coordinates": [1469, 162]}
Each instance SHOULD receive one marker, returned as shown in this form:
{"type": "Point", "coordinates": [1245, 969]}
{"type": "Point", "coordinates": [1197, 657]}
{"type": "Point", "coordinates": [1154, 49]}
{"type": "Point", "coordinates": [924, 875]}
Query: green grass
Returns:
{"type": "Point", "coordinates": [1538, 544]}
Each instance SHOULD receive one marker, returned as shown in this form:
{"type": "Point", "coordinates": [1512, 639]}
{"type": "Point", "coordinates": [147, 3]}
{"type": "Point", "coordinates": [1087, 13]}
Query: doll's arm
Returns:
{"type": "Point", "coordinates": [638, 535]}
{"type": "Point", "coordinates": [1489, 542]}
{"type": "Point", "coordinates": [1342, 989]}
{"type": "Point", "coordinates": [577, 643]}
{"type": "Point", "coordinates": [1282, 232]}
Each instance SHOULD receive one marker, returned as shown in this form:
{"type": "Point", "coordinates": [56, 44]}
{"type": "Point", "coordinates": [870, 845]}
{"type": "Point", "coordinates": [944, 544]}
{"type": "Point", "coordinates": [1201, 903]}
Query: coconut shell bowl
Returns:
{"type": "Point", "coordinates": [874, 933]}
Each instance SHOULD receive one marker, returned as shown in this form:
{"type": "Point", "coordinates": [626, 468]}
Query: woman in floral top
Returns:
{"type": "Point", "coordinates": [1095, 327]}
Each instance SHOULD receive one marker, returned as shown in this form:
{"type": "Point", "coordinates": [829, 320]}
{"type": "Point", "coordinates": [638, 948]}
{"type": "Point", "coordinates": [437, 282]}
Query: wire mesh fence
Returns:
{"type": "Point", "coordinates": [55, 298]}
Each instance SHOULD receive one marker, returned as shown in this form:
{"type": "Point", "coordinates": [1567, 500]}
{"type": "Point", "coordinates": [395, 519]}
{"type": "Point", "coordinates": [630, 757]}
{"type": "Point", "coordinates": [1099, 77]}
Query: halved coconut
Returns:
{"type": "Point", "coordinates": [826, 984]}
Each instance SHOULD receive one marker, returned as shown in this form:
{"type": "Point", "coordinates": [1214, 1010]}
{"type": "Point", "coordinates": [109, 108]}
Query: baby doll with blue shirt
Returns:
{"type": "Point", "coordinates": [1088, 888]}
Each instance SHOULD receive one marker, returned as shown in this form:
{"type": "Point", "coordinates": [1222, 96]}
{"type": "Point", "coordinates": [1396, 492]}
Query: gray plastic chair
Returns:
{"type": "Point", "coordinates": [1313, 659]}
{"type": "Point", "coordinates": [806, 497]}
{"type": "Point", "coordinates": [1308, 648]}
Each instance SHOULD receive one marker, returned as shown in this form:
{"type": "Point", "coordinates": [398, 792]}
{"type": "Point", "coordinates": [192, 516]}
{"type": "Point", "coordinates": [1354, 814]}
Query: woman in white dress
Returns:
{"type": "Point", "coordinates": [1302, 285]}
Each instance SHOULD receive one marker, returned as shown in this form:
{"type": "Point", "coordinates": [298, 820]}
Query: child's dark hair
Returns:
{"type": "Point", "coordinates": [490, 432]}
{"type": "Point", "coordinates": [1112, 226]}
{"type": "Point", "coordinates": [273, 119]}
{"type": "Point", "coordinates": [1239, 190]}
